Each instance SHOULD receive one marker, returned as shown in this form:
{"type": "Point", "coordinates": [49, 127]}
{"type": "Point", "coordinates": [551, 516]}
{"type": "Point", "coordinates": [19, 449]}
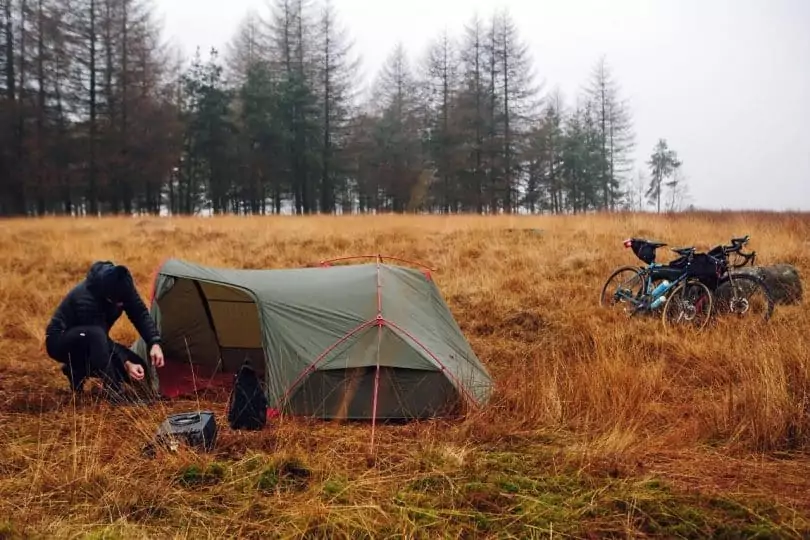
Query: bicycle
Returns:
{"type": "Point", "coordinates": [738, 303]}
{"type": "Point", "coordinates": [674, 284]}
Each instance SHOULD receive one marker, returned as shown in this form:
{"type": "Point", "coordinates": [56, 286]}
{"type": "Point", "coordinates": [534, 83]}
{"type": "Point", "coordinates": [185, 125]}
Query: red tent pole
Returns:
{"type": "Point", "coordinates": [380, 322]}
{"type": "Point", "coordinates": [379, 257]}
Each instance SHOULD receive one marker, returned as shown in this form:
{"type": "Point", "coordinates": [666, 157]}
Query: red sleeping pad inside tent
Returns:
{"type": "Point", "coordinates": [178, 380]}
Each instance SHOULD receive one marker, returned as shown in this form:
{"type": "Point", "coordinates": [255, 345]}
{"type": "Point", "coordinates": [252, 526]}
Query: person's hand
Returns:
{"type": "Point", "coordinates": [135, 370]}
{"type": "Point", "coordinates": [156, 354]}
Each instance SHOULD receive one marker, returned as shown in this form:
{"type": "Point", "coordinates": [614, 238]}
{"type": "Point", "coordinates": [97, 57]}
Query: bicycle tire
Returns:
{"type": "Point", "coordinates": [679, 289]}
{"type": "Point", "coordinates": [757, 282]}
{"type": "Point", "coordinates": [634, 269]}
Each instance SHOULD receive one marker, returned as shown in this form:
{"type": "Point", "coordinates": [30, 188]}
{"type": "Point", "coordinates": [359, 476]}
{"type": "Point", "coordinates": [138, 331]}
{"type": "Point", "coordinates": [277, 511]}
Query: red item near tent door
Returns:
{"type": "Point", "coordinates": [177, 380]}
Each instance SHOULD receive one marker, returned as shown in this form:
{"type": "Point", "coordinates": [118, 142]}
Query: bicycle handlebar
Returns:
{"type": "Point", "coordinates": [736, 245]}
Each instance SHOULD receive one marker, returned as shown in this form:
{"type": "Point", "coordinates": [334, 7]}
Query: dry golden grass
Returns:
{"type": "Point", "coordinates": [599, 425]}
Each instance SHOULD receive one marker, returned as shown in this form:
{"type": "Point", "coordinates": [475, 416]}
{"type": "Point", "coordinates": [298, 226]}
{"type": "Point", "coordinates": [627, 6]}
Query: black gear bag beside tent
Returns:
{"type": "Point", "coordinates": [247, 407]}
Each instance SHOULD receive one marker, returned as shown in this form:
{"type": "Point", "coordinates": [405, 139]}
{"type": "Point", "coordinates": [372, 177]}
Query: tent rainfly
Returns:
{"type": "Point", "coordinates": [353, 341]}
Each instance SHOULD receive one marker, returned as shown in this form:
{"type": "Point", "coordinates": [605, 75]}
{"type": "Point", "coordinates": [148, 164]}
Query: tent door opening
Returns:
{"type": "Point", "coordinates": [209, 330]}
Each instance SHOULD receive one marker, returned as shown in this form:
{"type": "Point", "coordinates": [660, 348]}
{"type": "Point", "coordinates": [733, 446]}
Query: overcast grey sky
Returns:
{"type": "Point", "coordinates": [726, 82]}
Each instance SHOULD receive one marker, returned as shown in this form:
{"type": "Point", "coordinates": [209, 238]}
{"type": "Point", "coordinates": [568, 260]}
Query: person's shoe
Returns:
{"type": "Point", "coordinates": [76, 383]}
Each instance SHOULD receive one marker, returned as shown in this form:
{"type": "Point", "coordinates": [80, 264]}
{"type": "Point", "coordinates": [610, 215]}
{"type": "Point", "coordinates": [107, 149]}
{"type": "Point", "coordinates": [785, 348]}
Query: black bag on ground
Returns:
{"type": "Point", "coordinates": [247, 407]}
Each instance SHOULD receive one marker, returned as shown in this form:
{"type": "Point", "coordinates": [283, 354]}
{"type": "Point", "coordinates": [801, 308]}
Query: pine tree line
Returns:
{"type": "Point", "coordinates": [96, 116]}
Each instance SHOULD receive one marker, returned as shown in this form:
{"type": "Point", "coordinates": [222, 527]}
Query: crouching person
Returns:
{"type": "Point", "coordinates": [78, 333]}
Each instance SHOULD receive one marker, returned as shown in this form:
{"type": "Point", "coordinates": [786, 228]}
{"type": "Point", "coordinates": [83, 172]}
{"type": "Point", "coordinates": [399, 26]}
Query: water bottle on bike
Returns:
{"type": "Point", "coordinates": [658, 290]}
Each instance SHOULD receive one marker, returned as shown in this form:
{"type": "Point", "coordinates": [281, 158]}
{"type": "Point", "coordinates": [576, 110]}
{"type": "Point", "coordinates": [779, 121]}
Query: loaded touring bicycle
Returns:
{"type": "Point", "coordinates": [690, 289]}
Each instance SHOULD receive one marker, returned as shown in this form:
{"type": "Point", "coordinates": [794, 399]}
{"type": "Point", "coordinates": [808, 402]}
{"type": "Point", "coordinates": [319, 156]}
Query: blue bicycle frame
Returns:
{"type": "Point", "coordinates": [649, 297]}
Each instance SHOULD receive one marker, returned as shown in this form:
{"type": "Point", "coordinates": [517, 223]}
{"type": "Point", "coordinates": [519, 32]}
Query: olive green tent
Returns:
{"type": "Point", "coordinates": [352, 341]}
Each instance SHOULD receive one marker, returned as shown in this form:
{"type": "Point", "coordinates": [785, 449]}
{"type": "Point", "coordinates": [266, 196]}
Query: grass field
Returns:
{"type": "Point", "coordinates": [600, 426]}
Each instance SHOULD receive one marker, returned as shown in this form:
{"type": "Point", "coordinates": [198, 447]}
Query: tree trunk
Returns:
{"type": "Point", "coordinates": [21, 170]}
{"type": "Point", "coordinates": [10, 79]}
{"type": "Point", "coordinates": [92, 193]}
{"type": "Point", "coordinates": [507, 134]}
{"type": "Point", "coordinates": [126, 177]}
{"type": "Point", "coordinates": [41, 173]}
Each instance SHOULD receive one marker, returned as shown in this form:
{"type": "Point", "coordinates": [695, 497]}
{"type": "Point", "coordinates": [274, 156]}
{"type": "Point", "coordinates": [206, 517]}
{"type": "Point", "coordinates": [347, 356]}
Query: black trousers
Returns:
{"type": "Point", "coordinates": [87, 351]}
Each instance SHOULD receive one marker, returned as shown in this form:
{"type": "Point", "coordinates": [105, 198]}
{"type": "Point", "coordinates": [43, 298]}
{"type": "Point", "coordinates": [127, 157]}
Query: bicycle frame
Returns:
{"type": "Point", "coordinates": [646, 300]}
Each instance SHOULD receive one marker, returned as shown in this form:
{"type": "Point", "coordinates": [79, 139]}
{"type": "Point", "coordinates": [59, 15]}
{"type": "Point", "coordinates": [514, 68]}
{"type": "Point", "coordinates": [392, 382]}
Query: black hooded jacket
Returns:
{"type": "Point", "coordinates": [93, 302]}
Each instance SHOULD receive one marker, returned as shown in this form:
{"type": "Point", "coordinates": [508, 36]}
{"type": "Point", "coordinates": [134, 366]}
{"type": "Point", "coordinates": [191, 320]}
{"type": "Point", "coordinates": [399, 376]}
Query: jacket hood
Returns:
{"type": "Point", "coordinates": [107, 280]}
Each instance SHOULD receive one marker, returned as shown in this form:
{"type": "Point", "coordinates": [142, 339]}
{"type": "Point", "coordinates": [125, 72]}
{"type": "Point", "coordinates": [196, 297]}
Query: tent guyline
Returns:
{"type": "Point", "coordinates": [308, 331]}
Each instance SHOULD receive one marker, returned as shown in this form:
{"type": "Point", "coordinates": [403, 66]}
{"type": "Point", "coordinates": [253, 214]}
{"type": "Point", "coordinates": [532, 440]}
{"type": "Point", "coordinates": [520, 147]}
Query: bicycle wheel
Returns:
{"type": "Point", "coordinates": [744, 295]}
{"type": "Point", "coordinates": [630, 286]}
{"type": "Point", "coordinates": [690, 302]}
